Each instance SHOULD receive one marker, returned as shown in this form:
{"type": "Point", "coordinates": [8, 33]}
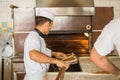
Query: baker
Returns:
{"type": "Point", "coordinates": [108, 40]}
{"type": "Point", "coordinates": [37, 57]}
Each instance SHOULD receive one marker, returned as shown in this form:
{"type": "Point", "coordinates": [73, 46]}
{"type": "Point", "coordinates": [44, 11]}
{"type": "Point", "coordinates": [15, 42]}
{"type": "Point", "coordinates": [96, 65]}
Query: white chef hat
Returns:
{"type": "Point", "coordinates": [45, 13]}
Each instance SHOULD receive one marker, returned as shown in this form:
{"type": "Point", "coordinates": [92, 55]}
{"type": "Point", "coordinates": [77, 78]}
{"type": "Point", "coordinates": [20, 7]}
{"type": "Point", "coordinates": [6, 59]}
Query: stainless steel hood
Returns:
{"type": "Point", "coordinates": [68, 7]}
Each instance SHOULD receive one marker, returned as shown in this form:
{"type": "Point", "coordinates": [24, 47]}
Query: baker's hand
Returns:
{"type": "Point", "coordinates": [59, 55]}
{"type": "Point", "coordinates": [62, 64]}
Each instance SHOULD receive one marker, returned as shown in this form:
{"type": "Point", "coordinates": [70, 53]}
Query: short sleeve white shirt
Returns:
{"type": "Point", "coordinates": [109, 38]}
{"type": "Point", "coordinates": [35, 70]}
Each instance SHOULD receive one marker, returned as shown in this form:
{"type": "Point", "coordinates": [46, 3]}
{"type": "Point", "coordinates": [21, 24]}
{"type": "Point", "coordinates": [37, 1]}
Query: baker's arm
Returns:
{"type": "Point", "coordinates": [103, 62]}
{"type": "Point", "coordinates": [42, 58]}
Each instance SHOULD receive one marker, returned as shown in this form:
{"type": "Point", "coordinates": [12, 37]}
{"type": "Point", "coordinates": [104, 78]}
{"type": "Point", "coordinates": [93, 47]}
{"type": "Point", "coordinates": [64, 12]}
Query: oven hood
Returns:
{"type": "Point", "coordinates": [68, 7]}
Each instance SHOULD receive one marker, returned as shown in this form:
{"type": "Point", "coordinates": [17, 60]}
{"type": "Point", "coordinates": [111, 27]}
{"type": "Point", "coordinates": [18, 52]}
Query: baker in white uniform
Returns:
{"type": "Point", "coordinates": [37, 56]}
{"type": "Point", "coordinates": [108, 40]}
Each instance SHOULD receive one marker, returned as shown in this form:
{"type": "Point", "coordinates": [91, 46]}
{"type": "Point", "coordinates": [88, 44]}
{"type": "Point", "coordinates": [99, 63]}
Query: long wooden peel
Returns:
{"type": "Point", "coordinates": [61, 73]}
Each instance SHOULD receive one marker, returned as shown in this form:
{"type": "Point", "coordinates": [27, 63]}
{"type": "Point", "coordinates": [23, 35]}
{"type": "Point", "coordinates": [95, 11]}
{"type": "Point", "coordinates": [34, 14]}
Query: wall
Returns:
{"type": "Point", "coordinates": [6, 22]}
{"type": "Point", "coordinates": [5, 11]}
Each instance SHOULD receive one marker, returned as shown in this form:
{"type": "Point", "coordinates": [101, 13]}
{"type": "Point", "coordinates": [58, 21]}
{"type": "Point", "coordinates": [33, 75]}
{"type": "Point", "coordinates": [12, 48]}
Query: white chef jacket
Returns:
{"type": "Point", "coordinates": [35, 70]}
{"type": "Point", "coordinates": [109, 38]}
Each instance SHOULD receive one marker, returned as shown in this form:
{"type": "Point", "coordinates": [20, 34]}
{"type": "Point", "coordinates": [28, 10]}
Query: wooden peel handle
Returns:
{"type": "Point", "coordinates": [61, 73]}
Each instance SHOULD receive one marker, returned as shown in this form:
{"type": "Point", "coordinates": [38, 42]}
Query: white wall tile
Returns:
{"type": "Point", "coordinates": [3, 17]}
{"type": "Point", "coordinates": [2, 0]}
{"type": "Point", "coordinates": [2, 4]}
{"type": "Point", "coordinates": [28, 3]}
{"type": "Point", "coordinates": [11, 0]}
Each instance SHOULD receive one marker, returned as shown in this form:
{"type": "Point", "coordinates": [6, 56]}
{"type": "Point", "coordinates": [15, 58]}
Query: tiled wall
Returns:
{"type": "Point", "coordinates": [5, 11]}
{"type": "Point", "coordinates": [6, 22]}
{"type": "Point", "coordinates": [6, 26]}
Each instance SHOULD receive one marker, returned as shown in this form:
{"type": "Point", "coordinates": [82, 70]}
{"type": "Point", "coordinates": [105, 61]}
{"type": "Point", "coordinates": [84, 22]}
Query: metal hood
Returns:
{"type": "Point", "coordinates": [68, 7]}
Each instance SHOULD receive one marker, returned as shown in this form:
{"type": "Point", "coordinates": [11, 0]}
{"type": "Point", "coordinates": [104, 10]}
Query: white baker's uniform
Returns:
{"type": "Point", "coordinates": [109, 38]}
{"type": "Point", "coordinates": [35, 70]}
